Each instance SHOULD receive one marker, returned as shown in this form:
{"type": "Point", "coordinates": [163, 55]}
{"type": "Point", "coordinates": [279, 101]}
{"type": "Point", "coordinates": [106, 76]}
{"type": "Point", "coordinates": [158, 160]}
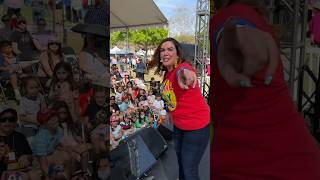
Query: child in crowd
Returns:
{"type": "Point", "coordinates": [142, 95]}
{"type": "Point", "coordinates": [124, 105]}
{"type": "Point", "coordinates": [113, 104]}
{"type": "Point", "coordinates": [99, 136]}
{"type": "Point", "coordinates": [63, 87]}
{"type": "Point", "coordinates": [9, 66]}
{"type": "Point", "coordinates": [125, 79]}
{"type": "Point", "coordinates": [116, 131]}
{"type": "Point", "coordinates": [127, 125]}
{"type": "Point", "coordinates": [119, 93]}
{"type": "Point", "coordinates": [135, 91]}
{"type": "Point", "coordinates": [31, 104]}
{"type": "Point", "coordinates": [97, 104]}
{"type": "Point", "coordinates": [151, 97]}
{"type": "Point", "coordinates": [129, 88]}
{"type": "Point", "coordinates": [132, 103]}
{"type": "Point", "coordinates": [54, 162]}
{"type": "Point", "coordinates": [142, 120]}
{"type": "Point", "coordinates": [159, 103]}
{"type": "Point", "coordinates": [154, 86]}
{"type": "Point", "coordinates": [73, 140]}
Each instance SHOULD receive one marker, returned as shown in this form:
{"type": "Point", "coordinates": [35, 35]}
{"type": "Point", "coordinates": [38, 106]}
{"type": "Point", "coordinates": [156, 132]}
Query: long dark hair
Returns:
{"type": "Point", "coordinates": [56, 105]}
{"type": "Point", "coordinates": [66, 66]}
{"type": "Point", "coordinates": [50, 60]}
{"type": "Point", "coordinates": [139, 118]}
{"type": "Point", "coordinates": [155, 62]}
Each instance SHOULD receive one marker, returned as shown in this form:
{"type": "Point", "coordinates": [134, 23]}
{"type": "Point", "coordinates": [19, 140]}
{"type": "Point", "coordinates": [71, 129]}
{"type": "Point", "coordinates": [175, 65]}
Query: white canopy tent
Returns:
{"type": "Point", "coordinates": [115, 50]}
{"type": "Point", "coordinates": [126, 50]}
{"type": "Point", "coordinates": [135, 13]}
{"type": "Point", "coordinates": [142, 52]}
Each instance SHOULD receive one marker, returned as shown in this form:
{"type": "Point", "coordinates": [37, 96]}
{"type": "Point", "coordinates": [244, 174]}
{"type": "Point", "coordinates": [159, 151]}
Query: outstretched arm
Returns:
{"type": "Point", "coordinates": [242, 51]}
{"type": "Point", "coordinates": [186, 78]}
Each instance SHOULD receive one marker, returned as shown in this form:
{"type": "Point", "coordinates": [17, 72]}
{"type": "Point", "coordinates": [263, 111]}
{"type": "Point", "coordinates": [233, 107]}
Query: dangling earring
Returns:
{"type": "Point", "coordinates": [176, 63]}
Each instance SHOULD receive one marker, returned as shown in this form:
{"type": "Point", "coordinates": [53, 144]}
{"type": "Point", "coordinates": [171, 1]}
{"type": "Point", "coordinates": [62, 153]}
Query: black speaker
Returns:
{"type": "Point", "coordinates": [154, 141]}
{"type": "Point", "coordinates": [132, 159]}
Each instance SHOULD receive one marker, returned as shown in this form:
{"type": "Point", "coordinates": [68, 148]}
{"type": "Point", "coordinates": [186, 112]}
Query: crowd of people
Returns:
{"type": "Point", "coordinates": [74, 9]}
{"type": "Point", "coordinates": [61, 102]}
{"type": "Point", "coordinates": [134, 102]}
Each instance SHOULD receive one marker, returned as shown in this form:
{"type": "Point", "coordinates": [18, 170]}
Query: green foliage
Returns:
{"type": "Point", "coordinates": [117, 37]}
{"type": "Point", "coordinates": [143, 38]}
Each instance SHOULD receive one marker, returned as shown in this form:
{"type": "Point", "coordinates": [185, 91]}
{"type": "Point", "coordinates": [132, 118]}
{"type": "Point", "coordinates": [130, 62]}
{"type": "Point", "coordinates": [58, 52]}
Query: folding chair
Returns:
{"type": "Point", "coordinates": [4, 98]}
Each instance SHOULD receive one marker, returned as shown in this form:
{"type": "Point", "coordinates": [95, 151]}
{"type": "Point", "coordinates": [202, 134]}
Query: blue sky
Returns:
{"type": "Point", "coordinates": [168, 7]}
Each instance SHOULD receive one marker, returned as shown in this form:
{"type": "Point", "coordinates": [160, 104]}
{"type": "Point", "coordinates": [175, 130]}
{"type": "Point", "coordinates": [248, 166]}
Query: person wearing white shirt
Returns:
{"type": "Point", "coordinates": [159, 103]}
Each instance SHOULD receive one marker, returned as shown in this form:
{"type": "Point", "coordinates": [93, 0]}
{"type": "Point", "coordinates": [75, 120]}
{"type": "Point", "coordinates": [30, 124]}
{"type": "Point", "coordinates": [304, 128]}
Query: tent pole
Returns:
{"type": "Point", "coordinates": [127, 31]}
{"type": "Point", "coordinates": [54, 16]}
{"type": "Point", "coordinates": [63, 26]}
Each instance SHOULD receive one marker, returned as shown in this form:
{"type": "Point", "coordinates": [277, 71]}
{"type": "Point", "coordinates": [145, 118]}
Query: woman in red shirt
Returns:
{"type": "Point", "coordinates": [258, 132]}
{"type": "Point", "coordinates": [188, 109]}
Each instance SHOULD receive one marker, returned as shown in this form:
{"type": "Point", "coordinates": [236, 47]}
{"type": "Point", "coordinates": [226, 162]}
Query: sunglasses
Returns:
{"type": "Point", "coordinates": [8, 119]}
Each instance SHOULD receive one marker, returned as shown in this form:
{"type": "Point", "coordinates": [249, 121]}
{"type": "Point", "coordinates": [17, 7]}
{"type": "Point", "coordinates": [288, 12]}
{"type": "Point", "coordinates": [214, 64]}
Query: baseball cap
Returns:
{"type": "Point", "coordinates": [4, 109]}
{"type": "Point", "coordinates": [43, 116]}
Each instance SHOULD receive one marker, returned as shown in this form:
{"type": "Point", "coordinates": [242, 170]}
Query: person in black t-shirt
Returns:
{"type": "Point", "coordinates": [23, 44]}
{"type": "Point", "coordinates": [15, 152]}
{"type": "Point", "coordinates": [113, 104]}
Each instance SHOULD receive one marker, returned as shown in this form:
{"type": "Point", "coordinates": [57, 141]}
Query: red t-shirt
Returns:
{"type": "Point", "coordinates": [258, 132]}
{"type": "Point", "coordinates": [188, 108]}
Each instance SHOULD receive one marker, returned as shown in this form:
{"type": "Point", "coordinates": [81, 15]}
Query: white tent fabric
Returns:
{"type": "Point", "coordinates": [140, 52]}
{"type": "Point", "coordinates": [135, 13]}
{"type": "Point", "coordinates": [115, 50]}
{"type": "Point", "coordinates": [126, 51]}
